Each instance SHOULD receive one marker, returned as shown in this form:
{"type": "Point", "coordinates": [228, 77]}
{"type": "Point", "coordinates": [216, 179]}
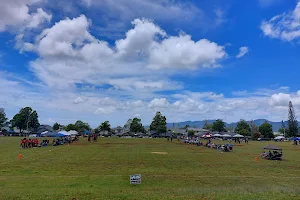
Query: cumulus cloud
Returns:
{"type": "Point", "coordinates": [96, 107]}
{"type": "Point", "coordinates": [243, 52]}
{"type": "Point", "coordinates": [158, 103]}
{"type": "Point", "coordinates": [70, 55]}
{"type": "Point", "coordinates": [285, 26]}
{"type": "Point", "coordinates": [78, 100]}
{"type": "Point", "coordinates": [16, 14]}
{"type": "Point", "coordinates": [107, 110]}
{"type": "Point", "coordinates": [280, 99]}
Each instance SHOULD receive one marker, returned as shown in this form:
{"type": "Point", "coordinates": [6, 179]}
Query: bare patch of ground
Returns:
{"type": "Point", "coordinates": [161, 153]}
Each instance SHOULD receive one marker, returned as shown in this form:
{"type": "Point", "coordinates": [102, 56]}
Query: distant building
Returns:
{"type": "Point", "coordinates": [198, 131]}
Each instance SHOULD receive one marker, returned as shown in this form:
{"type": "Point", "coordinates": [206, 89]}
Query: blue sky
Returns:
{"type": "Point", "coordinates": [192, 60]}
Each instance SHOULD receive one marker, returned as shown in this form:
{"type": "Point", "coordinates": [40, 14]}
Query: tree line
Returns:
{"type": "Point", "coordinates": [27, 119]}
{"type": "Point", "coordinates": [264, 130]}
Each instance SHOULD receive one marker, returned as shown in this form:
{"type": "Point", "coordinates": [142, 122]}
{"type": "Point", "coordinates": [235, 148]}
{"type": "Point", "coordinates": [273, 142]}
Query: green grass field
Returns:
{"type": "Point", "coordinates": [101, 171]}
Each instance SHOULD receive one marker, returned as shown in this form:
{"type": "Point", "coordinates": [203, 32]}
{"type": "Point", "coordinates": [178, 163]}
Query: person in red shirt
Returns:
{"type": "Point", "coordinates": [26, 143]}
{"type": "Point", "coordinates": [22, 143]}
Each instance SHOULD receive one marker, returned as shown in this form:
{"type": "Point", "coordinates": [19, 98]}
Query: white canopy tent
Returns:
{"type": "Point", "coordinates": [238, 136]}
{"type": "Point", "coordinates": [67, 133]}
{"type": "Point", "coordinates": [43, 133]}
{"type": "Point", "coordinates": [217, 135]}
{"type": "Point", "coordinates": [72, 132]}
{"type": "Point", "coordinates": [226, 135]}
{"type": "Point", "coordinates": [279, 138]}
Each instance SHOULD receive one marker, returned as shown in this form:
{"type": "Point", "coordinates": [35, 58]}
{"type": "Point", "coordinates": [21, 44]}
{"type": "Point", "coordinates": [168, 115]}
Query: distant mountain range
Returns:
{"type": "Point", "coordinates": [200, 124]}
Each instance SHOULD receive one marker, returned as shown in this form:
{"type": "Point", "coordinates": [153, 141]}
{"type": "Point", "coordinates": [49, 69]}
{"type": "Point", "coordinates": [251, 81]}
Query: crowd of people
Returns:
{"type": "Point", "coordinates": [239, 140]}
{"type": "Point", "coordinates": [275, 155]}
{"type": "Point", "coordinates": [196, 141]}
{"type": "Point", "coordinates": [30, 143]}
{"type": "Point", "coordinates": [220, 147]}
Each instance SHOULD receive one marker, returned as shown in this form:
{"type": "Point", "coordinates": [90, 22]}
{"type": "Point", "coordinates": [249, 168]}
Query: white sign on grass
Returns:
{"type": "Point", "coordinates": [135, 179]}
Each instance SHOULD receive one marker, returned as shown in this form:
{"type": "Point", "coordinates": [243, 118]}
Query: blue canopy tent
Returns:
{"type": "Point", "coordinates": [53, 134]}
{"type": "Point", "coordinates": [295, 138]}
{"type": "Point", "coordinates": [86, 132]}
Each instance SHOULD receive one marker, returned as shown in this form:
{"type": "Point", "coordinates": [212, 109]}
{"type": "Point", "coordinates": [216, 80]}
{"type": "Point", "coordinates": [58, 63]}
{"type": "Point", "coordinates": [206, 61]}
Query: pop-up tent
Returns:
{"type": "Point", "coordinates": [226, 135]}
{"type": "Point", "coordinates": [72, 132]}
{"type": "Point", "coordinates": [272, 147]}
{"type": "Point", "coordinates": [238, 136]}
{"type": "Point", "coordinates": [279, 138]}
{"type": "Point", "coordinates": [295, 138]}
{"type": "Point", "coordinates": [217, 135]}
{"type": "Point", "coordinates": [53, 134]}
{"type": "Point", "coordinates": [275, 153]}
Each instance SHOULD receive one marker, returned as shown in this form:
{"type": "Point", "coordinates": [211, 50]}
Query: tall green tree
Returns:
{"type": "Point", "coordinates": [3, 119]}
{"type": "Point", "coordinates": [266, 130]}
{"type": "Point", "coordinates": [34, 120]}
{"type": "Point", "coordinates": [159, 123]}
{"type": "Point", "coordinates": [292, 122]}
{"type": "Point", "coordinates": [70, 127]}
{"type": "Point", "coordinates": [255, 134]}
{"type": "Point", "coordinates": [105, 126]}
{"type": "Point", "coordinates": [56, 126]}
{"type": "Point", "coordinates": [243, 128]}
{"type": "Point", "coordinates": [25, 119]}
{"type": "Point", "coordinates": [219, 126]}
{"type": "Point", "coordinates": [136, 126]}
{"type": "Point", "coordinates": [81, 126]}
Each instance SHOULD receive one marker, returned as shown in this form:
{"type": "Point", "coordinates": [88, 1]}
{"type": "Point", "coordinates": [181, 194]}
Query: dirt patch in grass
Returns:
{"type": "Point", "coordinates": [161, 153]}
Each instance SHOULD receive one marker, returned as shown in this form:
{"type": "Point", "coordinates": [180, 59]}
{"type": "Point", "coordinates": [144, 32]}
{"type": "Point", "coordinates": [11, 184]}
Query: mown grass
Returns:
{"type": "Point", "coordinates": [101, 171]}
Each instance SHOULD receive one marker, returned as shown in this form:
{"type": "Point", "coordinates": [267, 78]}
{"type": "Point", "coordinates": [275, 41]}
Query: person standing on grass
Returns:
{"type": "Point", "coordinates": [89, 138]}
{"type": "Point", "coordinates": [95, 138]}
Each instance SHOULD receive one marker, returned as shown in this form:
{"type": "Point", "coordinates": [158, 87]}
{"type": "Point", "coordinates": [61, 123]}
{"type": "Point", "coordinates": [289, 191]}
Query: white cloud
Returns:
{"type": "Point", "coordinates": [285, 26]}
{"type": "Point", "coordinates": [243, 52]}
{"type": "Point", "coordinates": [158, 9]}
{"type": "Point", "coordinates": [286, 88]}
{"type": "Point", "coordinates": [158, 103]}
{"type": "Point", "coordinates": [280, 99]}
{"type": "Point", "coordinates": [182, 52]}
{"type": "Point", "coordinates": [96, 107]}
{"type": "Point", "coordinates": [70, 54]}
{"type": "Point", "coordinates": [198, 95]}
{"type": "Point", "coordinates": [107, 110]}
{"type": "Point", "coordinates": [16, 14]}
{"type": "Point", "coordinates": [37, 18]}
{"type": "Point", "coordinates": [78, 100]}
{"type": "Point", "coordinates": [220, 16]}
{"type": "Point", "coordinates": [137, 115]}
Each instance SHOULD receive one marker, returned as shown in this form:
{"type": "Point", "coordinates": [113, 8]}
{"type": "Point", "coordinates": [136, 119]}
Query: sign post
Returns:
{"type": "Point", "coordinates": [135, 179]}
